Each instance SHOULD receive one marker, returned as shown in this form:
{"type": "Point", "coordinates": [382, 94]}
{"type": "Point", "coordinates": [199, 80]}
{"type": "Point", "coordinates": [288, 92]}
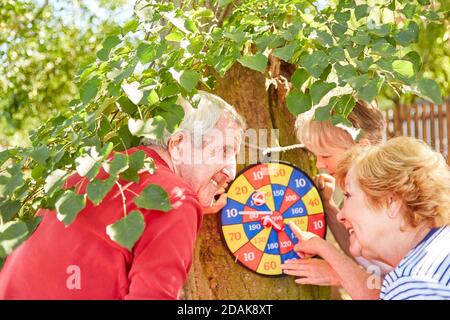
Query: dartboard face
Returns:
{"type": "Point", "coordinates": [262, 201]}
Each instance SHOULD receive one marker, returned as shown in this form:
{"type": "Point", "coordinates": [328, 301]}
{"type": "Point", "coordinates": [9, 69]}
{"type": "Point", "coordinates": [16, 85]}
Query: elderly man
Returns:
{"type": "Point", "coordinates": [82, 262]}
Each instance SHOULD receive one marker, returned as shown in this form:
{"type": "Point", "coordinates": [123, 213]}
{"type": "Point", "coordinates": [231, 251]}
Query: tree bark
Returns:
{"type": "Point", "coordinates": [214, 273]}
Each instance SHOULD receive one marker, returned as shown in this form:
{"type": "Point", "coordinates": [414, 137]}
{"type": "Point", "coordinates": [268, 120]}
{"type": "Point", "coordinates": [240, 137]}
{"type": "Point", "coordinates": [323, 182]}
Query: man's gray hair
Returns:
{"type": "Point", "coordinates": [201, 118]}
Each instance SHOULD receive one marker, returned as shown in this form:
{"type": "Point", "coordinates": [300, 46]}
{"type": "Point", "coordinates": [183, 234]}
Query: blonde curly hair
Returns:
{"type": "Point", "coordinates": [408, 168]}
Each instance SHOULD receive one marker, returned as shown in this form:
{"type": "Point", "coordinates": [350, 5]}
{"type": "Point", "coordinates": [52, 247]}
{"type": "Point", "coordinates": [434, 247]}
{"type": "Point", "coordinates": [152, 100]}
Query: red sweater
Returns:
{"type": "Point", "coordinates": [45, 265]}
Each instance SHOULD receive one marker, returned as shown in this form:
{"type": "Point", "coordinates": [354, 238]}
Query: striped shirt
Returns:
{"type": "Point", "coordinates": [424, 273]}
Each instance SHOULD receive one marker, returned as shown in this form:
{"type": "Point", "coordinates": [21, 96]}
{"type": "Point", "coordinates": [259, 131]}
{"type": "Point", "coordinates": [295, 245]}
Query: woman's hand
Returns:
{"type": "Point", "coordinates": [326, 185]}
{"type": "Point", "coordinates": [311, 271]}
{"type": "Point", "coordinates": [309, 244]}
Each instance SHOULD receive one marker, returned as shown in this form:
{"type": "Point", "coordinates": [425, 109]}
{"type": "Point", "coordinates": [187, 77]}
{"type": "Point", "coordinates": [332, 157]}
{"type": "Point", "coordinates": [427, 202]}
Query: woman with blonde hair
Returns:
{"type": "Point", "coordinates": [396, 210]}
{"type": "Point", "coordinates": [328, 143]}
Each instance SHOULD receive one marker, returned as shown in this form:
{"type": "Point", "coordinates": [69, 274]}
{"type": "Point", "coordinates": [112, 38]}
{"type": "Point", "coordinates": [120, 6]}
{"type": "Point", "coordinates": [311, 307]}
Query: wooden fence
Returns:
{"type": "Point", "coordinates": [425, 121]}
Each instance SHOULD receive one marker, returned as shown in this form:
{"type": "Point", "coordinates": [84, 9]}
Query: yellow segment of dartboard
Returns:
{"type": "Point", "coordinates": [301, 222]}
{"type": "Point", "coordinates": [235, 236]}
{"type": "Point", "coordinates": [312, 202]}
{"type": "Point", "coordinates": [279, 173]}
{"type": "Point", "coordinates": [260, 240]}
{"type": "Point", "coordinates": [267, 190]}
{"type": "Point", "coordinates": [240, 190]}
{"type": "Point", "coordinates": [270, 264]}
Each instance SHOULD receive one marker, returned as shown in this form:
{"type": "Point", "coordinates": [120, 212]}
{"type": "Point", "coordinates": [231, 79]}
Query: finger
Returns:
{"type": "Point", "coordinates": [306, 281]}
{"type": "Point", "coordinates": [296, 273]}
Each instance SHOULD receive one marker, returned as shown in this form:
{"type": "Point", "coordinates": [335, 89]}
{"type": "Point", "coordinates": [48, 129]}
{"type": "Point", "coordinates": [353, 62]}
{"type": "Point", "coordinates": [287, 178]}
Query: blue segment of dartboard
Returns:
{"type": "Point", "coordinates": [252, 229]}
{"type": "Point", "coordinates": [231, 212]}
{"type": "Point", "coordinates": [272, 246]}
{"type": "Point", "coordinates": [299, 183]}
{"type": "Point", "coordinates": [290, 255]}
{"type": "Point", "coordinates": [278, 192]}
{"type": "Point", "coordinates": [291, 234]}
{"type": "Point", "coordinates": [298, 209]}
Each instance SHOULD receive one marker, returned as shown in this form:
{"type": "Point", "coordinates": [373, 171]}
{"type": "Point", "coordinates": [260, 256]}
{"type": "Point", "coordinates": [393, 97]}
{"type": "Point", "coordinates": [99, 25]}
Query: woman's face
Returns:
{"type": "Point", "coordinates": [327, 158]}
{"type": "Point", "coordinates": [367, 227]}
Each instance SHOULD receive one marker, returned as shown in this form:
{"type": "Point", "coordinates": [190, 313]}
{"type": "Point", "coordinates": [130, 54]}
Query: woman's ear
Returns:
{"type": "Point", "coordinates": [394, 206]}
{"type": "Point", "coordinates": [364, 142]}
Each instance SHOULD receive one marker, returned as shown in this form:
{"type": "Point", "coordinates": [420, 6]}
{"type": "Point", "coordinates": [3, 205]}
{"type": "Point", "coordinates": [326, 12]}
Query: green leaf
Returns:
{"type": "Point", "coordinates": [89, 164]}
{"type": "Point", "coordinates": [361, 11]}
{"type": "Point", "coordinates": [345, 73]}
{"type": "Point", "coordinates": [152, 128]}
{"type": "Point", "coordinates": [153, 197]}
{"type": "Point", "coordinates": [145, 52]}
{"type": "Point", "coordinates": [370, 90]}
{"type": "Point", "coordinates": [325, 38]}
{"type": "Point", "coordinates": [12, 234]}
{"type": "Point", "coordinates": [337, 53]}
{"type": "Point", "coordinates": [408, 10]}
{"type": "Point", "coordinates": [224, 3]}
{"type": "Point", "coordinates": [403, 68]}
{"type": "Point", "coordinates": [359, 81]}
{"type": "Point", "coordinates": [319, 89]}
{"type": "Point", "coordinates": [130, 26]}
{"type": "Point", "coordinates": [89, 90]}
{"type": "Point", "coordinates": [152, 98]}
{"type": "Point", "coordinates": [415, 59]}
{"type": "Point", "coordinates": [286, 52]}
{"type": "Point", "coordinates": [55, 181]}
{"type": "Point", "coordinates": [299, 77]}
{"type": "Point", "coordinates": [383, 48]}
{"type": "Point", "coordinates": [322, 113]}
{"type": "Point", "coordinates": [10, 180]}
{"type": "Point", "coordinates": [188, 79]}
{"type": "Point", "coordinates": [135, 163]}
{"type": "Point", "coordinates": [339, 29]}
{"type": "Point", "coordinates": [315, 63]}
{"type": "Point", "coordinates": [298, 102]}
{"type": "Point", "coordinates": [430, 90]}
{"type": "Point", "coordinates": [257, 62]}
{"type": "Point", "coordinates": [110, 42]}
{"type": "Point", "coordinates": [127, 230]}
{"type": "Point", "coordinates": [127, 106]}
{"type": "Point", "coordinates": [68, 206]}
{"type": "Point", "coordinates": [40, 154]}
{"type": "Point", "coordinates": [9, 208]}
{"type": "Point", "coordinates": [381, 30]}
{"type": "Point", "coordinates": [114, 89]}
{"type": "Point", "coordinates": [133, 91]}
{"type": "Point", "coordinates": [342, 16]}
{"type": "Point", "coordinates": [361, 38]}
{"type": "Point", "coordinates": [97, 189]}
{"type": "Point", "coordinates": [117, 165]}
{"type": "Point", "coordinates": [342, 105]}
{"type": "Point", "coordinates": [409, 35]}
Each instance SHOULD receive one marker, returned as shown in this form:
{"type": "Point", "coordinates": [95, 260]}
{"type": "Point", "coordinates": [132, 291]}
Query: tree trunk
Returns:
{"type": "Point", "coordinates": [214, 273]}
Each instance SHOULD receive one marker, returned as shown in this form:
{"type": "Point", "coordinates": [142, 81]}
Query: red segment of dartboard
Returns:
{"type": "Point", "coordinates": [290, 197]}
{"type": "Point", "coordinates": [316, 224]}
{"type": "Point", "coordinates": [285, 243]}
{"type": "Point", "coordinates": [249, 255]}
{"type": "Point", "coordinates": [258, 176]}
{"type": "Point", "coordinates": [275, 194]}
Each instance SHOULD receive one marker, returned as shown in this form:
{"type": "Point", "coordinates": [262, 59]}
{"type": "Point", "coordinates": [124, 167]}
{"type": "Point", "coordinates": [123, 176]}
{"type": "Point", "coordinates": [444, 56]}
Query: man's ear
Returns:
{"type": "Point", "coordinates": [364, 142]}
{"type": "Point", "coordinates": [173, 145]}
{"type": "Point", "coordinates": [394, 206]}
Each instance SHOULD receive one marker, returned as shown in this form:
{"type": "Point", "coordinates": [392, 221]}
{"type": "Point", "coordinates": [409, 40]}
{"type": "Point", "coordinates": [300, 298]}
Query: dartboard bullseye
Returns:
{"type": "Point", "coordinates": [262, 201]}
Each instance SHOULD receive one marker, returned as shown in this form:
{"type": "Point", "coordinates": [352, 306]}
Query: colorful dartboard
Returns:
{"type": "Point", "coordinates": [262, 200]}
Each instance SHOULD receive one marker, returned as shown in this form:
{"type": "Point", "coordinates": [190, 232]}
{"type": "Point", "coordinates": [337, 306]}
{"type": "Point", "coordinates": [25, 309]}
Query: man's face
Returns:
{"type": "Point", "coordinates": [211, 165]}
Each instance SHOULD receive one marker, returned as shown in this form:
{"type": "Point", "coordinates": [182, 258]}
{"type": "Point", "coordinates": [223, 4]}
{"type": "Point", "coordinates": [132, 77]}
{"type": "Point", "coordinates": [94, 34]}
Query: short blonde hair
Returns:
{"type": "Point", "coordinates": [408, 168]}
{"type": "Point", "coordinates": [364, 116]}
